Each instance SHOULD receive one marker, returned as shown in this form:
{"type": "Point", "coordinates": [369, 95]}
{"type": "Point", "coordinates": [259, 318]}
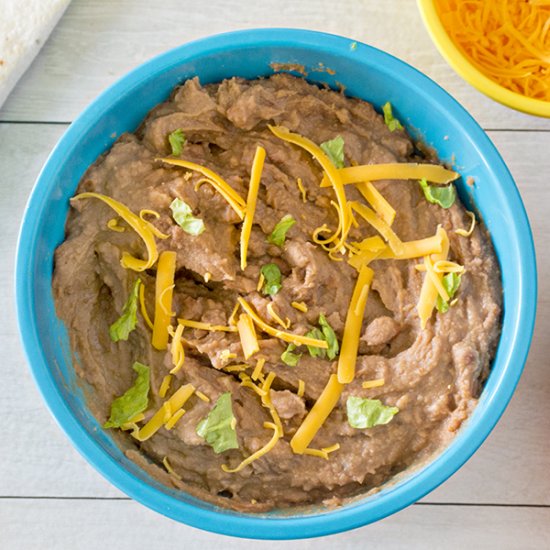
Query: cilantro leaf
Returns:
{"type": "Point", "coordinates": [314, 351]}
{"type": "Point", "coordinates": [288, 357]}
{"type": "Point", "coordinates": [444, 195]}
{"type": "Point", "coordinates": [334, 149]}
{"type": "Point", "coordinates": [177, 141]}
{"type": "Point", "coordinates": [450, 283]}
{"type": "Point", "coordinates": [330, 337]}
{"type": "Point", "coordinates": [367, 413]}
{"type": "Point", "coordinates": [183, 216]}
{"type": "Point", "coordinates": [218, 427]}
{"type": "Point", "coordinates": [278, 234]}
{"type": "Point", "coordinates": [327, 334]}
{"type": "Point", "coordinates": [126, 323]}
{"type": "Point", "coordinates": [272, 276]}
{"type": "Point", "coordinates": [391, 122]}
{"type": "Point", "coordinates": [133, 401]}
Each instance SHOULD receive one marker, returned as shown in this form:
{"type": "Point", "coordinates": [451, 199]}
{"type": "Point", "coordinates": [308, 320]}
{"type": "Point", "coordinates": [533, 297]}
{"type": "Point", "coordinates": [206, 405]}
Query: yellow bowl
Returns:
{"type": "Point", "coordinates": [471, 74]}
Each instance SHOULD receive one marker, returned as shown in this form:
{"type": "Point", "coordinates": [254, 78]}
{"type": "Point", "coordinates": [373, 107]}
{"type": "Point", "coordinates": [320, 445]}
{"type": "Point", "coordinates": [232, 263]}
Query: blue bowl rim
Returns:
{"type": "Point", "coordinates": [261, 527]}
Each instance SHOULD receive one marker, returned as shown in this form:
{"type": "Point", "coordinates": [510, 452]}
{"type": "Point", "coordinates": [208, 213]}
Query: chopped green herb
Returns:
{"type": "Point", "coordinates": [391, 122]}
{"type": "Point", "coordinates": [366, 413]}
{"type": "Point", "coordinates": [183, 216]}
{"type": "Point", "coordinates": [330, 337]}
{"type": "Point", "coordinates": [272, 279]}
{"type": "Point", "coordinates": [327, 334]}
{"type": "Point", "coordinates": [126, 323]}
{"type": "Point", "coordinates": [278, 234]}
{"type": "Point", "coordinates": [290, 358]}
{"type": "Point", "coordinates": [444, 195]}
{"type": "Point", "coordinates": [133, 402]}
{"type": "Point", "coordinates": [218, 427]}
{"type": "Point", "coordinates": [334, 149]}
{"type": "Point", "coordinates": [314, 351]}
{"type": "Point", "coordinates": [450, 283]}
{"type": "Point", "coordinates": [177, 141]}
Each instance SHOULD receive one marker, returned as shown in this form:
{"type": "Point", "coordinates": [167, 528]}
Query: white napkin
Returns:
{"type": "Point", "coordinates": [24, 27]}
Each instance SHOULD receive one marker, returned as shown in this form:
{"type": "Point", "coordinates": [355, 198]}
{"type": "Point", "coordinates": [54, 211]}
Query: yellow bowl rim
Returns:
{"type": "Point", "coordinates": [471, 74]}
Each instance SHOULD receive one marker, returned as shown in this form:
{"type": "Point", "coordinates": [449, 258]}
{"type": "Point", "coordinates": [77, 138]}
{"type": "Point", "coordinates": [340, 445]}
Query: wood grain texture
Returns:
{"type": "Point", "coordinates": [125, 525]}
{"type": "Point", "coordinates": [98, 41]}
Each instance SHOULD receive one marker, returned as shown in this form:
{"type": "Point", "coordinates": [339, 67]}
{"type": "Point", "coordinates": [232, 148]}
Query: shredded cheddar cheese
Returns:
{"type": "Point", "coordinates": [112, 224]}
{"type": "Point", "coordinates": [333, 176]}
{"type": "Point", "coordinates": [415, 249]}
{"type": "Point", "coordinates": [156, 232]}
{"type": "Point", "coordinates": [261, 281]}
{"type": "Point", "coordinates": [144, 313]}
{"type": "Point", "coordinates": [165, 385]}
{"type": "Point", "coordinates": [247, 334]}
{"type": "Point", "coordinates": [220, 185]}
{"type": "Point", "coordinates": [164, 286]}
{"type": "Point", "coordinates": [169, 468]}
{"type": "Point", "coordinates": [232, 322]}
{"type": "Point", "coordinates": [381, 226]}
{"type": "Point", "coordinates": [261, 452]}
{"type": "Point", "coordinates": [257, 372]}
{"type": "Point", "coordinates": [436, 279]}
{"type": "Point", "coordinates": [433, 173]}
{"type": "Point", "coordinates": [317, 415]}
{"type": "Point", "coordinates": [507, 41]}
{"type": "Point", "coordinates": [300, 306]}
{"type": "Point", "coordinates": [176, 349]}
{"type": "Point", "coordinates": [380, 205]}
{"type": "Point", "coordinates": [202, 396]}
{"type": "Point", "coordinates": [206, 326]}
{"type": "Point", "coordinates": [175, 402]}
{"type": "Point", "coordinates": [352, 327]}
{"type": "Point", "coordinates": [444, 266]}
{"type": "Point", "coordinates": [137, 224]}
{"type": "Point", "coordinates": [429, 292]}
{"type": "Point", "coordinates": [301, 189]}
{"type": "Point", "coordinates": [368, 384]}
{"type": "Point", "coordinates": [174, 419]}
{"type": "Point", "coordinates": [301, 388]}
{"type": "Point", "coordinates": [250, 209]}
{"type": "Point", "coordinates": [322, 453]}
{"type": "Point", "coordinates": [296, 339]}
{"type": "Point", "coordinates": [468, 232]}
{"type": "Point", "coordinates": [276, 317]}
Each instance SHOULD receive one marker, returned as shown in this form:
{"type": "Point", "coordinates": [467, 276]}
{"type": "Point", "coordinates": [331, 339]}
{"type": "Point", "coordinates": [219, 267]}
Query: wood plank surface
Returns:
{"type": "Point", "coordinates": [125, 525]}
{"type": "Point", "coordinates": [98, 41]}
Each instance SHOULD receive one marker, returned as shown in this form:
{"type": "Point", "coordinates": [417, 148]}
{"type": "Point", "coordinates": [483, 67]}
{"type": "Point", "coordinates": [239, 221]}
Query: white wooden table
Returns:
{"type": "Point", "coordinates": [49, 497]}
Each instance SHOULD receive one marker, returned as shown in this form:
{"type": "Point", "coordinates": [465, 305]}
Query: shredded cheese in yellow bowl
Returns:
{"type": "Point", "coordinates": [501, 48]}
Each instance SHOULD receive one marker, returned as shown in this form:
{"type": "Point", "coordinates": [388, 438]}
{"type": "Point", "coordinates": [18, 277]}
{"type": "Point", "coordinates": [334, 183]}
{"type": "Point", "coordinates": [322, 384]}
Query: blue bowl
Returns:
{"type": "Point", "coordinates": [365, 72]}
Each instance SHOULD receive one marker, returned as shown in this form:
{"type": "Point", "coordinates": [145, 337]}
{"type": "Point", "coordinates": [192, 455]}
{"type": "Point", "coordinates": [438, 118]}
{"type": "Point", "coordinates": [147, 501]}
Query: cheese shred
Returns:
{"type": "Point", "coordinates": [433, 173]}
{"type": "Point", "coordinates": [247, 334]}
{"type": "Point", "coordinates": [317, 415]}
{"type": "Point", "coordinates": [368, 384]}
{"type": "Point", "coordinates": [165, 386]}
{"type": "Point", "coordinates": [164, 286]}
{"type": "Point", "coordinates": [137, 224]}
{"type": "Point", "coordinates": [250, 209]}
{"type": "Point", "coordinates": [175, 403]}
{"type": "Point", "coordinates": [468, 232]}
{"type": "Point", "coordinates": [220, 185]}
{"type": "Point", "coordinates": [276, 317]}
{"type": "Point", "coordinates": [352, 327]}
{"type": "Point", "coordinates": [295, 339]}
{"type": "Point", "coordinates": [143, 307]}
